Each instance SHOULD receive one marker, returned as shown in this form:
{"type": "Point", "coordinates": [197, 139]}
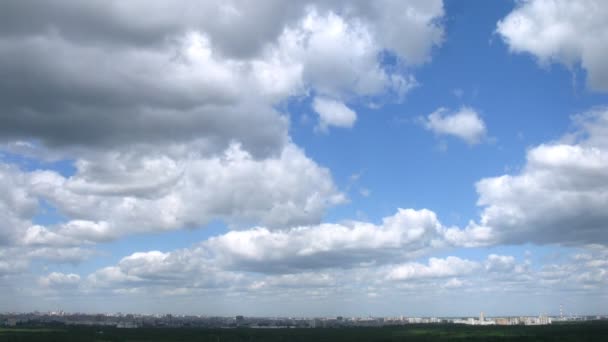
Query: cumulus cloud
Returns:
{"type": "Point", "coordinates": [465, 124]}
{"type": "Point", "coordinates": [408, 233]}
{"type": "Point", "coordinates": [333, 113]}
{"type": "Point", "coordinates": [195, 268]}
{"type": "Point", "coordinates": [197, 96]}
{"type": "Point", "coordinates": [334, 257]}
{"type": "Point", "coordinates": [57, 279]}
{"type": "Point", "coordinates": [473, 235]}
{"type": "Point", "coordinates": [180, 70]}
{"type": "Point", "coordinates": [16, 204]}
{"type": "Point", "coordinates": [436, 268]}
{"type": "Point", "coordinates": [115, 194]}
{"type": "Point", "coordinates": [169, 111]}
{"type": "Point", "coordinates": [188, 270]}
{"type": "Point", "coordinates": [567, 32]}
{"type": "Point", "coordinates": [561, 194]}
{"type": "Point", "coordinates": [171, 114]}
{"type": "Point", "coordinates": [260, 259]}
{"type": "Point", "coordinates": [184, 268]}
{"type": "Point", "coordinates": [158, 78]}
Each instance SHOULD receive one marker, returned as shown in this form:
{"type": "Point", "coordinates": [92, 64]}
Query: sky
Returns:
{"type": "Point", "coordinates": [309, 158]}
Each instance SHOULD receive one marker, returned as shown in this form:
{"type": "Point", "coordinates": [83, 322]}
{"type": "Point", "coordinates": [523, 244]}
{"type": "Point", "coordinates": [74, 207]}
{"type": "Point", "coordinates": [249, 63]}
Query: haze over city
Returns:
{"type": "Point", "coordinates": [305, 158]}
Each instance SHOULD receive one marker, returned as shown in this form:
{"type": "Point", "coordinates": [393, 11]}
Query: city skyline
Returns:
{"type": "Point", "coordinates": [137, 319]}
{"type": "Point", "coordinates": [313, 158]}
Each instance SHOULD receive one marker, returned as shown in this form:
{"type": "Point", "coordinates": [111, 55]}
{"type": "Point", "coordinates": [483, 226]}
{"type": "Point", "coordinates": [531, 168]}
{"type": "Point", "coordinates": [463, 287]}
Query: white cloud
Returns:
{"type": "Point", "coordinates": [260, 259]}
{"type": "Point", "coordinates": [406, 234]}
{"type": "Point", "coordinates": [118, 193]}
{"type": "Point", "coordinates": [184, 268]}
{"type": "Point", "coordinates": [57, 279]}
{"type": "Point", "coordinates": [192, 271]}
{"type": "Point", "coordinates": [500, 263]}
{"type": "Point", "coordinates": [567, 32]}
{"type": "Point", "coordinates": [464, 124]}
{"type": "Point", "coordinates": [473, 235]}
{"type": "Point", "coordinates": [16, 204]}
{"type": "Point", "coordinates": [406, 27]}
{"type": "Point", "coordinates": [436, 268]}
{"type": "Point", "coordinates": [561, 194]}
{"type": "Point", "coordinates": [358, 254]}
{"type": "Point", "coordinates": [333, 113]}
{"type": "Point", "coordinates": [191, 274]}
{"type": "Point", "coordinates": [164, 136]}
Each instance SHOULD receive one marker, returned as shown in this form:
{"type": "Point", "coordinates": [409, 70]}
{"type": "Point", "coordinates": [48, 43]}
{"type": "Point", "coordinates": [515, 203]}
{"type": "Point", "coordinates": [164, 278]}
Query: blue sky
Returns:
{"type": "Point", "coordinates": [444, 157]}
{"type": "Point", "coordinates": [522, 105]}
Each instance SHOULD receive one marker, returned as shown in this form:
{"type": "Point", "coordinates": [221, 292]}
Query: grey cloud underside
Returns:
{"type": "Point", "coordinates": [238, 28]}
{"type": "Point", "coordinates": [109, 74]}
{"type": "Point", "coordinates": [90, 97]}
{"type": "Point", "coordinates": [342, 259]}
{"type": "Point", "coordinates": [104, 74]}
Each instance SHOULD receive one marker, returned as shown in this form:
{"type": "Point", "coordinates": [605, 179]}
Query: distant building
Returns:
{"type": "Point", "coordinates": [127, 325]}
{"type": "Point", "coordinates": [315, 323]}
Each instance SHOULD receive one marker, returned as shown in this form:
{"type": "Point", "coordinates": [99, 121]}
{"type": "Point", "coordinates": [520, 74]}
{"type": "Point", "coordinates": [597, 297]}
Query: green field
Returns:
{"type": "Point", "coordinates": [586, 331]}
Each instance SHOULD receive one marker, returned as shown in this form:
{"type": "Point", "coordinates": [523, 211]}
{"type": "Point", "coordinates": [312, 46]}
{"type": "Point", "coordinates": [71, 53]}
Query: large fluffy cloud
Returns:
{"type": "Point", "coordinates": [170, 111]}
{"type": "Point", "coordinates": [260, 259]}
{"type": "Point", "coordinates": [407, 234]}
{"type": "Point", "coordinates": [176, 70]}
{"type": "Point", "coordinates": [95, 96]}
{"type": "Point", "coordinates": [18, 206]}
{"type": "Point", "coordinates": [154, 269]}
{"type": "Point", "coordinates": [117, 194]}
{"type": "Point", "coordinates": [568, 32]}
{"type": "Point", "coordinates": [561, 194]}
